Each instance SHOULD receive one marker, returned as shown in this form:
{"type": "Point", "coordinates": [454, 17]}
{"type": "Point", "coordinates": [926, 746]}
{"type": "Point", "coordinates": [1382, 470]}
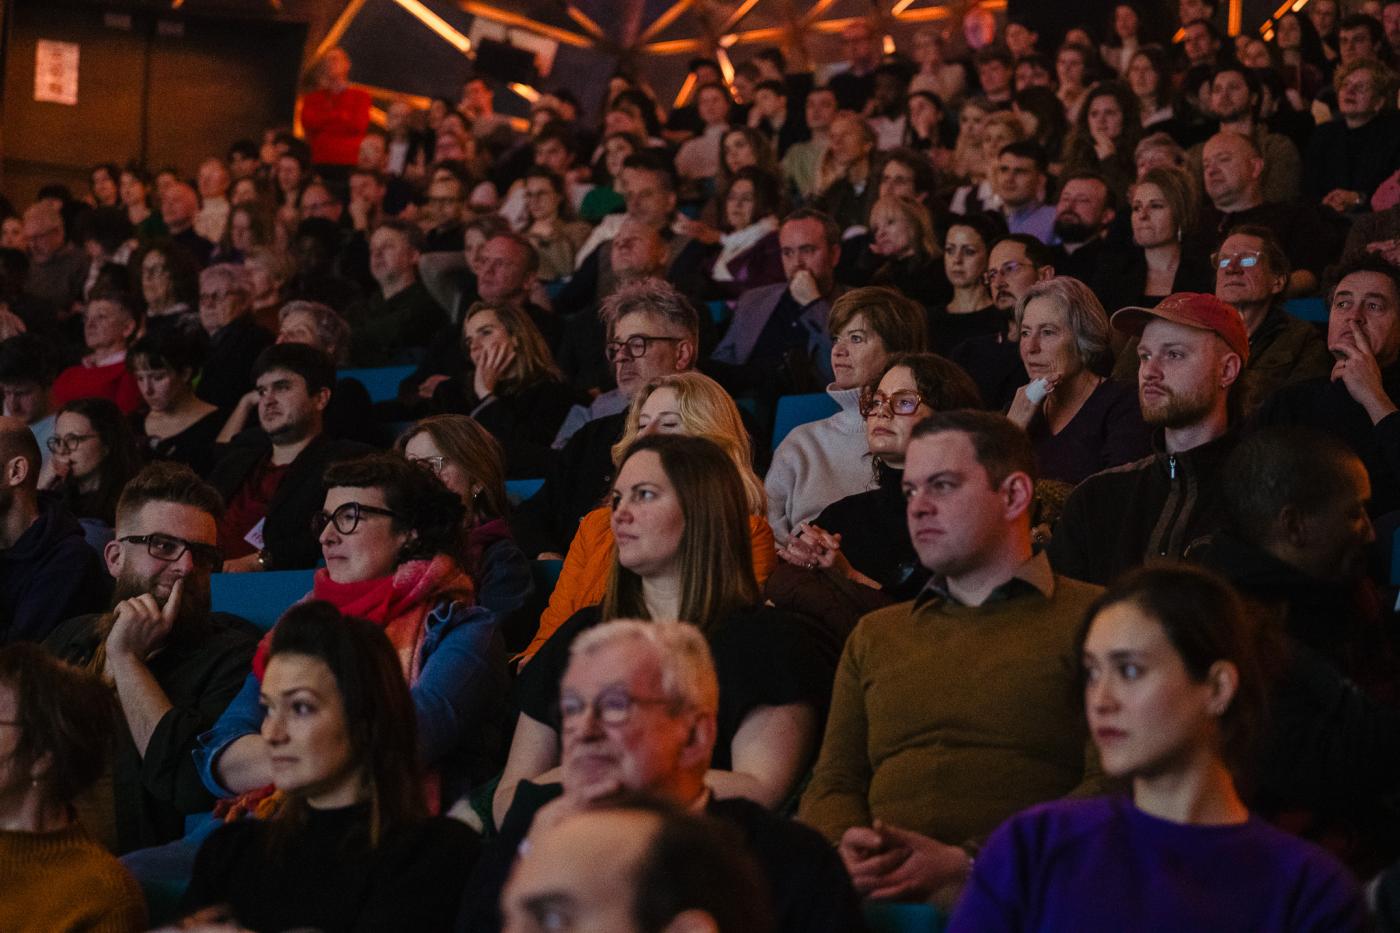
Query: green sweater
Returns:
{"type": "Point", "coordinates": [947, 719]}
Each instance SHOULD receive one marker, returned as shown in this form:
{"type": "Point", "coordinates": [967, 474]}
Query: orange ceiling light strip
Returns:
{"type": "Point", "coordinates": [507, 18]}
{"type": "Point", "coordinates": [582, 19]}
{"type": "Point", "coordinates": [669, 16]}
{"type": "Point", "coordinates": [1234, 17]}
{"type": "Point", "coordinates": [437, 24]}
{"type": "Point", "coordinates": [684, 93]}
{"type": "Point", "coordinates": [739, 13]}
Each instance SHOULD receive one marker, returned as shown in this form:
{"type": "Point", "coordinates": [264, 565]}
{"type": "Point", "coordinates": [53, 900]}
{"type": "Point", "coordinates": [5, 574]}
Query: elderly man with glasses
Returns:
{"type": "Point", "coordinates": [174, 664]}
{"type": "Point", "coordinates": [57, 268]}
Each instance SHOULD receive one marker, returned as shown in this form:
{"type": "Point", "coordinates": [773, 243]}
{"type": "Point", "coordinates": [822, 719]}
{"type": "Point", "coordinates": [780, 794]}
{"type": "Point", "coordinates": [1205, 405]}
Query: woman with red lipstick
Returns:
{"type": "Point", "coordinates": [1172, 688]}
{"type": "Point", "coordinates": [680, 519]}
{"type": "Point", "coordinates": [865, 537]}
{"type": "Point", "coordinates": [391, 535]}
{"type": "Point", "coordinates": [353, 846]}
{"type": "Point", "coordinates": [1079, 420]}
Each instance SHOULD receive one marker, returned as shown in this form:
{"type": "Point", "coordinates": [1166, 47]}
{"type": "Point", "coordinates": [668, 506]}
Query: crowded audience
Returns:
{"type": "Point", "coordinates": [966, 475]}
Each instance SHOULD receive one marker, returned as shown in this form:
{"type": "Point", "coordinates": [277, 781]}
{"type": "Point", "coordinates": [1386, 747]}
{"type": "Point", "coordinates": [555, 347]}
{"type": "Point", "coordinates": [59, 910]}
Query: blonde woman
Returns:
{"type": "Point", "coordinates": [999, 130]}
{"type": "Point", "coordinates": [847, 180]}
{"type": "Point", "coordinates": [685, 403]}
{"type": "Point", "coordinates": [905, 252]}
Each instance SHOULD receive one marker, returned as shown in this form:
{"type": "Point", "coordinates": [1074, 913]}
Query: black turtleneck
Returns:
{"type": "Point", "coordinates": [875, 535]}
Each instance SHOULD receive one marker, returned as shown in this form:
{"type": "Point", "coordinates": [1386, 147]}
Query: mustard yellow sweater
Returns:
{"type": "Point", "coordinates": [64, 881]}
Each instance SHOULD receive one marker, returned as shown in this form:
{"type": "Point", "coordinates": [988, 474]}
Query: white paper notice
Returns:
{"type": "Point", "coordinates": [56, 72]}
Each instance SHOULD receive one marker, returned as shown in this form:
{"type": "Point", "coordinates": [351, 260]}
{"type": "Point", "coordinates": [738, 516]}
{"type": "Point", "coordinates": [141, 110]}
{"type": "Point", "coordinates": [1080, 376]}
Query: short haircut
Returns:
{"type": "Point", "coordinates": [1110, 200]}
{"type": "Point", "coordinates": [21, 442]}
{"type": "Point", "coordinates": [990, 226]}
{"type": "Point", "coordinates": [1084, 316]}
{"type": "Point", "coordinates": [488, 225]}
{"type": "Point", "coordinates": [652, 296]}
{"type": "Point", "coordinates": [900, 322]}
{"type": "Point", "coordinates": [1001, 447]}
{"type": "Point", "coordinates": [1383, 76]}
{"type": "Point", "coordinates": [658, 164]}
{"type": "Point", "coordinates": [63, 713]}
{"type": "Point", "coordinates": [420, 502]}
{"type": "Point", "coordinates": [557, 131]}
{"type": "Point", "coordinates": [1208, 26]}
{"type": "Point", "coordinates": [1161, 140]}
{"type": "Point", "coordinates": [1270, 250]}
{"type": "Point", "coordinates": [774, 55]}
{"type": "Point", "coordinates": [1366, 22]}
{"type": "Point", "coordinates": [1368, 262]}
{"type": "Point", "coordinates": [332, 331]}
{"type": "Point", "coordinates": [771, 85]}
{"type": "Point", "coordinates": [925, 178]}
{"type": "Point", "coordinates": [28, 358]}
{"type": "Point", "coordinates": [830, 228]}
{"type": "Point", "coordinates": [309, 363]}
{"type": "Point", "coordinates": [171, 348]}
{"type": "Point", "coordinates": [1028, 149]}
{"type": "Point", "coordinates": [1251, 80]}
{"type": "Point", "coordinates": [234, 277]}
{"type": "Point", "coordinates": [1037, 252]}
{"type": "Point", "coordinates": [1274, 468]}
{"type": "Point", "coordinates": [167, 481]}
{"type": "Point", "coordinates": [687, 668]}
{"type": "Point", "coordinates": [411, 232]}
{"type": "Point", "coordinates": [994, 53]}
{"type": "Point", "coordinates": [532, 255]}
{"type": "Point", "coordinates": [243, 147]}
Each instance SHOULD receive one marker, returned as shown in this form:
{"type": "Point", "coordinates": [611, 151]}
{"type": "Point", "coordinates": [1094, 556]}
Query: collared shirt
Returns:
{"type": "Point", "coordinates": [1032, 576]}
{"type": "Point", "coordinates": [1036, 218]}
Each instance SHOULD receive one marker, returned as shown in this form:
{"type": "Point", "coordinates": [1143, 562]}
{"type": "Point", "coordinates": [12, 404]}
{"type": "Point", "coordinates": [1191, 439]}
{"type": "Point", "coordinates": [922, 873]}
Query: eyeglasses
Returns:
{"type": "Point", "coordinates": [636, 347]}
{"type": "Point", "coordinates": [170, 548]}
{"type": "Point", "coordinates": [67, 443]}
{"type": "Point", "coordinates": [433, 465]}
{"type": "Point", "coordinates": [1005, 271]}
{"type": "Point", "coordinates": [346, 518]}
{"type": "Point", "coordinates": [902, 403]}
{"type": "Point", "coordinates": [612, 707]}
{"type": "Point", "coordinates": [1223, 261]}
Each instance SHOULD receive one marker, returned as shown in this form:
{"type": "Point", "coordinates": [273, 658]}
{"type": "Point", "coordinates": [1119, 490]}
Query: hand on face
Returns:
{"type": "Point", "coordinates": [142, 624]}
{"type": "Point", "coordinates": [1358, 370]}
{"type": "Point", "coordinates": [491, 366]}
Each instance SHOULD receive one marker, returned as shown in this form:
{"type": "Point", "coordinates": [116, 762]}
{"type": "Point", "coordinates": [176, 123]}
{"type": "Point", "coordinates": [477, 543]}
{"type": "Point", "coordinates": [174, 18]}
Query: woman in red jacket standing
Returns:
{"type": "Point", "coordinates": [335, 115]}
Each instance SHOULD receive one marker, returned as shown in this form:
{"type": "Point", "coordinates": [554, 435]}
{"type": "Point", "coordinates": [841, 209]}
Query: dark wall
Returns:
{"type": "Point", "coordinates": [161, 88]}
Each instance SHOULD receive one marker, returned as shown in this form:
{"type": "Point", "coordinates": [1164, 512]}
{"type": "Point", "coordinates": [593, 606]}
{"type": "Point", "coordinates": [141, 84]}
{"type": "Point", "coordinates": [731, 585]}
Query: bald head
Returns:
{"type": "Point", "coordinates": [1233, 171]}
{"type": "Point", "coordinates": [178, 206]}
{"type": "Point", "coordinates": [638, 250]}
{"type": "Point", "coordinates": [19, 456]}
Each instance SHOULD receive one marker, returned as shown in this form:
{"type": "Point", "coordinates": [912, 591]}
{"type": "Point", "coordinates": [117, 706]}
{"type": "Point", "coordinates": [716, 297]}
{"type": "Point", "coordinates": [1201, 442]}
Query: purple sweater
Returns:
{"type": "Point", "coordinates": [1104, 865]}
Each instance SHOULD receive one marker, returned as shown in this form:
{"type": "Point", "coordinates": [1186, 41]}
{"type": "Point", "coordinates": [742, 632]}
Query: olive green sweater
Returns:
{"type": "Point", "coordinates": [947, 719]}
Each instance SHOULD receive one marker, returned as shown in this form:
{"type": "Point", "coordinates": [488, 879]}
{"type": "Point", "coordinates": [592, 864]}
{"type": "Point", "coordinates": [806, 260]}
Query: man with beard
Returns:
{"type": "Point", "coordinates": [1234, 96]}
{"type": "Point", "coordinates": [174, 664]}
{"type": "Point", "coordinates": [1082, 218]}
{"type": "Point", "coordinates": [1192, 349]}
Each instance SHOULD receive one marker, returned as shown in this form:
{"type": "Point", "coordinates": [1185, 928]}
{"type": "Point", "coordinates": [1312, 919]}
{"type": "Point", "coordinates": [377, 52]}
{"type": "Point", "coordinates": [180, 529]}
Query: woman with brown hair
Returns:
{"type": "Point", "coordinates": [680, 517]}
{"type": "Point", "coordinates": [352, 846]}
{"type": "Point", "coordinates": [512, 386]}
{"type": "Point", "coordinates": [55, 736]}
{"type": "Point", "coordinates": [1105, 135]}
{"type": "Point", "coordinates": [469, 462]}
{"type": "Point", "coordinates": [685, 403]}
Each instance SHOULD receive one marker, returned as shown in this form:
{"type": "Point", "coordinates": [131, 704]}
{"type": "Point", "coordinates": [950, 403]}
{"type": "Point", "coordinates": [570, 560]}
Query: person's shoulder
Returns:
{"type": "Point", "coordinates": [764, 294]}
{"type": "Point", "coordinates": [1042, 829]}
{"type": "Point", "coordinates": [445, 838]}
{"type": "Point", "coordinates": [764, 829]}
{"type": "Point", "coordinates": [233, 630]}
{"type": "Point", "coordinates": [1074, 595]}
{"type": "Point", "coordinates": [873, 625]}
{"type": "Point", "coordinates": [1117, 475]}
{"type": "Point", "coordinates": [102, 879]}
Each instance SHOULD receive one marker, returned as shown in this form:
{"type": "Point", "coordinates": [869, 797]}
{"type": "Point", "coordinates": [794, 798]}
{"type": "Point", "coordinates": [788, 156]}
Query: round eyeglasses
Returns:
{"type": "Point", "coordinates": [346, 518]}
{"type": "Point", "coordinates": [902, 403]}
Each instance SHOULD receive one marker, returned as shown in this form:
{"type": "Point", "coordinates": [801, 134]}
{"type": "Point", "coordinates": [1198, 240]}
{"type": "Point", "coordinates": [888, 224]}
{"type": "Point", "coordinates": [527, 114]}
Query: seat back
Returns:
{"type": "Point", "coordinates": [381, 382]}
{"type": "Point", "coordinates": [518, 490]}
{"type": "Point", "coordinates": [261, 598]}
{"type": "Point", "coordinates": [889, 917]}
{"type": "Point", "coordinates": [800, 409]}
{"type": "Point", "coordinates": [1307, 309]}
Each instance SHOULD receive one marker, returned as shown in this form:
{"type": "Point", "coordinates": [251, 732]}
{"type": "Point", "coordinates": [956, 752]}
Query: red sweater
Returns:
{"type": "Point", "coordinates": [335, 124]}
{"type": "Point", "coordinates": [112, 381]}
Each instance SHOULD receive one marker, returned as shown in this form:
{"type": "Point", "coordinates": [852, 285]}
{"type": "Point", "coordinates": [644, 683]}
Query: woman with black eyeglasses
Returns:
{"type": "Point", "coordinates": [865, 537]}
{"type": "Point", "coordinates": [390, 532]}
{"type": "Point", "coordinates": [94, 455]}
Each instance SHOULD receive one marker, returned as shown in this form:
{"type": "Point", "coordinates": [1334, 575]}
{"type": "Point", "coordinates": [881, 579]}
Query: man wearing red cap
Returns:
{"type": "Point", "coordinates": [1192, 349]}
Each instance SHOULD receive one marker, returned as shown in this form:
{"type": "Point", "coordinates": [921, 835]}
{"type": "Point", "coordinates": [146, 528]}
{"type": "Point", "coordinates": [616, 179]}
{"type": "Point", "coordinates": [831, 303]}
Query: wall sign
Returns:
{"type": "Point", "coordinates": [56, 72]}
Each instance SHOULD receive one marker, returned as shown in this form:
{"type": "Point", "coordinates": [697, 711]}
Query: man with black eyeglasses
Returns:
{"type": "Point", "coordinates": [47, 571]}
{"type": "Point", "coordinates": [270, 476]}
{"type": "Point", "coordinates": [174, 664]}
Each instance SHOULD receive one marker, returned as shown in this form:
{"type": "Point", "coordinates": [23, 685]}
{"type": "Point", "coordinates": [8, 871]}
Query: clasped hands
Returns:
{"type": "Point", "coordinates": [891, 863]}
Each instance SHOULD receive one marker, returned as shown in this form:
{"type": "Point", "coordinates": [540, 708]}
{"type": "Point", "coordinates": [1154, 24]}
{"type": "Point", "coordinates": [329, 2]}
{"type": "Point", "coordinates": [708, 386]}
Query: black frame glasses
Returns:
{"type": "Point", "coordinates": [346, 517]}
{"type": "Point", "coordinates": [903, 403]}
{"type": "Point", "coordinates": [67, 443]}
{"type": "Point", "coordinates": [636, 346]}
{"type": "Point", "coordinates": [170, 549]}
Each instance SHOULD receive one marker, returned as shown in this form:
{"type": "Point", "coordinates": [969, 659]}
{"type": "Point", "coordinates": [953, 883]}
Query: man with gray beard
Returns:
{"type": "Point", "coordinates": [174, 664]}
{"type": "Point", "coordinates": [1192, 350]}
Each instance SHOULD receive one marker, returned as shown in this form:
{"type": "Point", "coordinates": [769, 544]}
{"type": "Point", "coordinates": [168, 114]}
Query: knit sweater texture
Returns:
{"type": "Point", "coordinates": [817, 464]}
{"type": "Point", "coordinates": [65, 881]}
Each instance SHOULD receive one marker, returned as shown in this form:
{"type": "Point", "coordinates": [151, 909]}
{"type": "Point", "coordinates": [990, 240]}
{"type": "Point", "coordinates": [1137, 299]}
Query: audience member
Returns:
{"type": "Point", "coordinates": [57, 268]}
{"type": "Point", "coordinates": [353, 843]}
{"type": "Point", "coordinates": [1235, 99]}
{"type": "Point", "coordinates": [680, 519]}
{"type": "Point", "coordinates": [400, 320]}
{"type": "Point", "coordinates": [94, 456]}
{"type": "Point", "coordinates": [1086, 210]}
{"type": "Point", "coordinates": [1163, 645]}
{"type": "Point", "coordinates": [1105, 136]}
{"type": "Point", "coordinates": [178, 206]}
{"type": "Point", "coordinates": [864, 537]}
{"type": "Point", "coordinates": [971, 311]}
{"type": "Point", "coordinates": [1351, 155]}
{"type": "Point", "coordinates": [173, 663]}
{"type": "Point", "coordinates": [749, 255]}
{"type": "Point", "coordinates": [47, 571]}
{"type": "Point", "coordinates": [235, 339]}
{"type": "Point", "coordinates": [1357, 401]}
{"type": "Point", "coordinates": [682, 403]}
{"type": "Point", "coordinates": [910, 779]}
{"type": "Point", "coordinates": [26, 387]}
{"type": "Point", "coordinates": [167, 280]}
{"type": "Point", "coordinates": [823, 461]}
{"type": "Point", "coordinates": [335, 115]}
{"type": "Point", "coordinates": [177, 425]}
{"type": "Point", "coordinates": [391, 534]}
{"type": "Point", "coordinates": [109, 324]}
{"type": "Point", "coordinates": [1020, 184]}
{"type": "Point", "coordinates": [905, 253]}
{"type": "Point", "coordinates": [54, 874]}
{"type": "Point", "coordinates": [665, 749]}
{"type": "Point", "coordinates": [270, 475]}
{"type": "Point", "coordinates": [846, 171]}
{"type": "Point", "coordinates": [1079, 420]}
{"type": "Point", "coordinates": [1191, 351]}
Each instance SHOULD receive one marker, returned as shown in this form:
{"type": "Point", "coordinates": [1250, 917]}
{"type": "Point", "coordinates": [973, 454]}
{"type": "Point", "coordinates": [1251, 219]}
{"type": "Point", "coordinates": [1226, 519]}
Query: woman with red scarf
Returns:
{"type": "Point", "coordinates": [390, 534]}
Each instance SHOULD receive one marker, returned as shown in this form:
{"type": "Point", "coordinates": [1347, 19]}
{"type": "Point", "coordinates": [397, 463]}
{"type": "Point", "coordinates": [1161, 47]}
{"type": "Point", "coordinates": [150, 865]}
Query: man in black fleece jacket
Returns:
{"type": "Point", "coordinates": [1193, 348]}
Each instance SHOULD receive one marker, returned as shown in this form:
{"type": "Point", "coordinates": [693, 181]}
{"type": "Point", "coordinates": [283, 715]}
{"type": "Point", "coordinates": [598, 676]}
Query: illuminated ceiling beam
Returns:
{"type": "Point", "coordinates": [337, 30]}
{"type": "Point", "coordinates": [925, 15]}
{"type": "Point", "coordinates": [437, 24]}
{"type": "Point", "coordinates": [739, 13]}
{"type": "Point", "coordinates": [1234, 16]}
{"type": "Point", "coordinates": [588, 25]}
{"type": "Point", "coordinates": [507, 18]}
{"type": "Point", "coordinates": [820, 7]}
{"type": "Point", "coordinates": [671, 14]}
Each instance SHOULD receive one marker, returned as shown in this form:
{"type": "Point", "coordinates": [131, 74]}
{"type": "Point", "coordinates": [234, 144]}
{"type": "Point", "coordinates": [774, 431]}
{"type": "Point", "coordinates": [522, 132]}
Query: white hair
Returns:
{"type": "Point", "coordinates": [687, 669]}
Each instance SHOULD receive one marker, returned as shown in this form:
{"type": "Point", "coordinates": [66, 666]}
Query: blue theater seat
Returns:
{"type": "Point", "coordinates": [261, 598]}
{"type": "Point", "coordinates": [800, 409]}
{"type": "Point", "coordinates": [382, 382]}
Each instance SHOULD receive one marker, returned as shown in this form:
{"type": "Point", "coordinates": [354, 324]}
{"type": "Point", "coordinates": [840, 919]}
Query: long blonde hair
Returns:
{"type": "Point", "coordinates": [706, 411]}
